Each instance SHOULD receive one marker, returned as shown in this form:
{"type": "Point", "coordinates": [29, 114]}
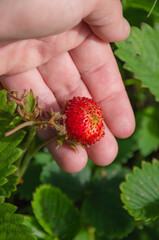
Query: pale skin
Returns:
{"type": "Point", "coordinates": [60, 49]}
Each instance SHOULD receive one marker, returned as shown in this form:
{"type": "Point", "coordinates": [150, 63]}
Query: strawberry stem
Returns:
{"type": "Point", "coordinates": [29, 156]}
{"type": "Point", "coordinates": [91, 232]}
{"type": "Point", "coordinates": [25, 146]}
{"type": "Point", "coordinates": [26, 124]}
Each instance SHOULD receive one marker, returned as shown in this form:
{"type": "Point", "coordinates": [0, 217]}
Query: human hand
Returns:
{"type": "Point", "coordinates": [60, 50]}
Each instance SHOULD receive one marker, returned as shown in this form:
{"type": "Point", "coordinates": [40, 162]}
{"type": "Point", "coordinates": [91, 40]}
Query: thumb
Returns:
{"type": "Point", "coordinates": [21, 19]}
{"type": "Point", "coordinates": [107, 21]}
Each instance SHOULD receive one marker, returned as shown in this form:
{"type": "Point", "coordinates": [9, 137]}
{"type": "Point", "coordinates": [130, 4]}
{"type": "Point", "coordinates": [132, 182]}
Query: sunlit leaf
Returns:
{"type": "Point", "coordinates": [10, 108]}
{"type": "Point", "coordinates": [30, 101]}
{"type": "Point", "coordinates": [140, 53]}
{"type": "Point", "coordinates": [11, 225]}
{"type": "Point", "coordinates": [9, 151]}
{"type": "Point", "coordinates": [9, 186]}
{"type": "Point", "coordinates": [35, 226]}
{"type": "Point", "coordinates": [55, 212]}
{"type": "Point", "coordinates": [140, 192]}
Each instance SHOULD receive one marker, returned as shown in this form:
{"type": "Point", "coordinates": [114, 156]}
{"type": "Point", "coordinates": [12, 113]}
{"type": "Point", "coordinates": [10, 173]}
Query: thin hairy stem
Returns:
{"type": "Point", "coordinates": [26, 124]}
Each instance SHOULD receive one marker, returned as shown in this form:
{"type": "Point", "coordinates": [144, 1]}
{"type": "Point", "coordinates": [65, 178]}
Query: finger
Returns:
{"type": "Point", "coordinates": [68, 159]}
{"type": "Point", "coordinates": [20, 56]}
{"type": "Point", "coordinates": [23, 55]}
{"type": "Point", "coordinates": [62, 77]}
{"type": "Point", "coordinates": [107, 21]}
{"type": "Point", "coordinates": [98, 68]}
{"type": "Point", "coordinates": [22, 19]}
{"type": "Point", "coordinates": [31, 80]}
{"type": "Point", "coordinates": [64, 80]}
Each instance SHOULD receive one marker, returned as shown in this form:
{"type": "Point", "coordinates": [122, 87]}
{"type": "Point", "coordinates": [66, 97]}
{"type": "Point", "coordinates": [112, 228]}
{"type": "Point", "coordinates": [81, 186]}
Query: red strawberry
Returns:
{"type": "Point", "coordinates": [84, 120]}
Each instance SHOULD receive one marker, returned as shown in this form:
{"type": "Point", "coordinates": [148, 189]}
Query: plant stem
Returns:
{"type": "Point", "coordinates": [31, 135]}
{"type": "Point", "coordinates": [91, 233]}
{"type": "Point", "coordinates": [16, 99]}
{"type": "Point", "coordinates": [153, 6]}
{"type": "Point", "coordinates": [29, 156]}
{"type": "Point", "coordinates": [26, 124]}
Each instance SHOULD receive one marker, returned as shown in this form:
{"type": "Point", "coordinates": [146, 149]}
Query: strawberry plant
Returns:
{"type": "Point", "coordinates": [40, 201]}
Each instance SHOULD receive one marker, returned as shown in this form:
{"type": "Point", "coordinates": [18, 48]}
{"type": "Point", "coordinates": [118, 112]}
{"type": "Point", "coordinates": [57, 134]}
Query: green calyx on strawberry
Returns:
{"type": "Point", "coordinates": [84, 121]}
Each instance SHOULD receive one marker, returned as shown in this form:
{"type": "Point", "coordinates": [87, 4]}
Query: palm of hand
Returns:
{"type": "Point", "coordinates": [74, 63]}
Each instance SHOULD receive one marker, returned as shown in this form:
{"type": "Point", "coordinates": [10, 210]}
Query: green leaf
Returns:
{"type": "Point", "coordinates": [102, 209]}
{"type": "Point", "coordinates": [38, 231]}
{"type": "Point", "coordinates": [82, 235]}
{"type": "Point", "coordinates": [9, 151]}
{"type": "Point", "coordinates": [142, 4]}
{"type": "Point", "coordinates": [6, 169]}
{"type": "Point", "coordinates": [132, 81]}
{"type": "Point", "coordinates": [9, 186]}
{"type": "Point", "coordinates": [2, 198]}
{"type": "Point", "coordinates": [10, 108]}
{"type": "Point", "coordinates": [30, 101]}
{"type": "Point", "coordinates": [55, 212]}
{"type": "Point", "coordinates": [50, 238]}
{"type": "Point", "coordinates": [5, 119]}
{"type": "Point", "coordinates": [6, 172]}
{"type": "Point", "coordinates": [140, 192]}
{"type": "Point", "coordinates": [11, 142]}
{"type": "Point", "coordinates": [36, 228]}
{"type": "Point", "coordinates": [147, 131]}
{"type": "Point", "coordinates": [11, 225]}
{"type": "Point", "coordinates": [73, 185]}
{"type": "Point", "coordinates": [8, 158]}
{"type": "Point", "coordinates": [15, 120]}
{"type": "Point", "coordinates": [127, 148]}
{"type": "Point", "coordinates": [140, 53]}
